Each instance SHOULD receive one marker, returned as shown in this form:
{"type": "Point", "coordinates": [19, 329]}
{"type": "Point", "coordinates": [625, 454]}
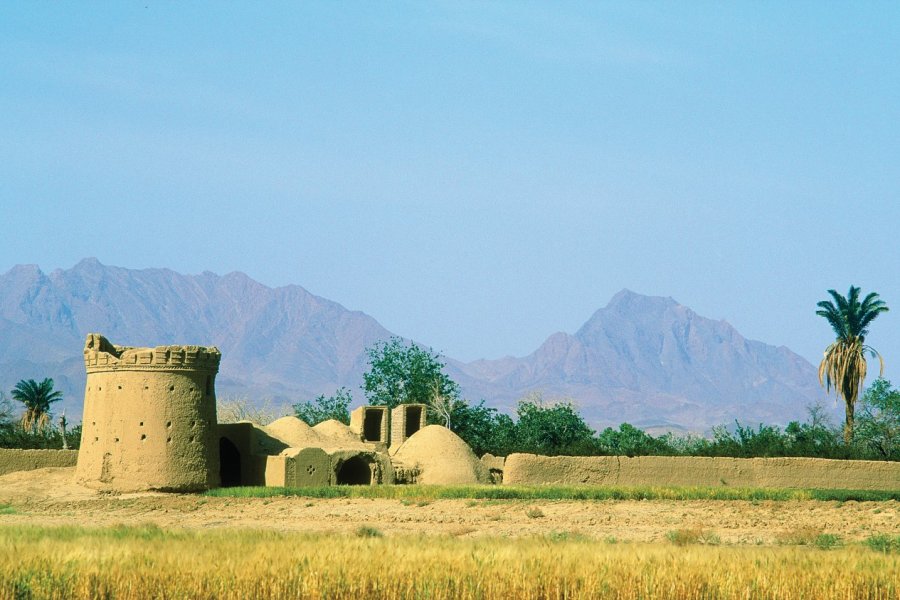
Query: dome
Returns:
{"type": "Point", "coordinates": [441, 457]}
{"type": "Point", "coordinates": [334, 433]}
{"type": "Point", "coordinates": [293, 432]}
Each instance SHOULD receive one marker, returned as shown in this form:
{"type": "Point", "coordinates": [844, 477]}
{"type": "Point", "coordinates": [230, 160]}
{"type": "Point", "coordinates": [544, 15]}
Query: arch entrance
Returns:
{"type": "Point", "coordinates": [229, 463]}
{"type": "Point", "coordinates": [354, 471]}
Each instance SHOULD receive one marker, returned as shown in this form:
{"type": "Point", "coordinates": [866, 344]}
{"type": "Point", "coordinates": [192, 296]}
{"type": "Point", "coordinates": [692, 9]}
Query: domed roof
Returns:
{"type": "Point", "coordinates": [334, 433]}
{"type": "Point", "coordinates": [293, 432]}
{"type": "Point", "coordinates": [441, 457]}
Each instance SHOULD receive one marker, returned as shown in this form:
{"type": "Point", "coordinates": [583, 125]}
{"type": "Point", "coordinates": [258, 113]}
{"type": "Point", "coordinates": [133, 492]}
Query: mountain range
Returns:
{"type": "Point", "coordinates": [646, 360]}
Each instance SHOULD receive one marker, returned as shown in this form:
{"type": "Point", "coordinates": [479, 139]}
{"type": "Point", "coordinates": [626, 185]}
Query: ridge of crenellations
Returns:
{"type": "Point", "coordinates": [100, 356]}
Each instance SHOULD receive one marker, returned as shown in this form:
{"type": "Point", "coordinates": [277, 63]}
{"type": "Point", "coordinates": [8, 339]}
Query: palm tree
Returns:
{"type": "Point", "coordinates": [37, 398]}
{"type": "Point", "coordinates": [844, 365]}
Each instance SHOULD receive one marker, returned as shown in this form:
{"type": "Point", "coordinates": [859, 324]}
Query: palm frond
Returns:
{"type": "Point", "coordinates": [873, 353]}
{"type": "Point", "coordinates": [839, 301]}
{"type": "Point", "coordinates": [834, 318]}
{"type": "Point", "coordinates": [870, 308]}
{"type": "Point", "coordinates": [843, 368]}
{"type": "Point", "coordinates": [873, 302]}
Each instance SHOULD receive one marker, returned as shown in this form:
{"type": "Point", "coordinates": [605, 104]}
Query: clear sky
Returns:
{"type": "Point", "coordinates": [475, 176]}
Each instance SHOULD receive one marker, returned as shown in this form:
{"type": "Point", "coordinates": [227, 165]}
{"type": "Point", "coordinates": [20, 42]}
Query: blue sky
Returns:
{"type": "Point", "coordinates": [475, 176]}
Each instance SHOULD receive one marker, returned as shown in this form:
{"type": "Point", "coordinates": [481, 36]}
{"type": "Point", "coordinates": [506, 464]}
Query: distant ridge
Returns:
{"type": "Point", "coordinates": [651, 361]}
{"type": "Point", "coordinates": [646, 360]}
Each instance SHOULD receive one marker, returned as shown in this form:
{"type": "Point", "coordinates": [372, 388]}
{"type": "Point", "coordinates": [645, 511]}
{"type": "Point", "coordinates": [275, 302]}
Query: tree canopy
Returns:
{"type": "Point", "coordinates": [323, 408]}
{"type": "Point", "coordinates": [551, 428]}
{"type": "Point", "coordinates": [403, 373]}
{"type": "Point", "coordinates": [37, 398]}
{"type": "Point", "coordinates": [878, 426]}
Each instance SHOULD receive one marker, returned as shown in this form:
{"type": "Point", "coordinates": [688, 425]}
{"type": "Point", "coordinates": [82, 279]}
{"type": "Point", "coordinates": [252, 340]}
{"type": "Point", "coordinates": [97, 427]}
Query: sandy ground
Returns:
{"type": "Point", "coordinates": [49, 497]}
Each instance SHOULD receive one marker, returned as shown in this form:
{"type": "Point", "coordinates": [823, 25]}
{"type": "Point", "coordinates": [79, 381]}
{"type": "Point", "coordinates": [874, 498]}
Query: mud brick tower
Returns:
{"type": "Point", "coordinates": [149, 418]}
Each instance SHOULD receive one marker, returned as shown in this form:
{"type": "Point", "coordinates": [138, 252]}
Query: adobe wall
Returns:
{"type": "Point", "coordinates": [28, 460]}
{"type": "Point", "coordinates": [814, 473]}
{"type": "Point", "coordinates": [315, 467]}
{"type": "Point", "coordinates": [358, 418]}
{"type": "Point", "coordinates": [494, 465]}
{"type": "Point", "coordinates": [406, 420]}
{"type": "Point", "coordinates": [149, 418]}
{"type": "Point", "coordinates": [244, 436]}
{"type": "Point", "coordinates": [299, 468]}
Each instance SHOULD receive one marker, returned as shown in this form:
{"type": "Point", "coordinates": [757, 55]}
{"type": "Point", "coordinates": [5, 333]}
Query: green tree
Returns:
{"type": "Point", "coordinates": [551, 428]}
{"type": "Point", "coordinates": [878, 426]}
{"type": "Point", "coordinates": [844, 364]}
{"type": "Point", "coordinates": [37, 398]}
{"type": "Point", "coordinates": [401, 373]}
{"type": "Point", "coordinates": [817, 438]}
{"type": "Point", "coordinates": [323, 408]}
{"type": "Point", "coordinates": [481, 427]}
{"type": "Point", "coordinates": [631, 441]}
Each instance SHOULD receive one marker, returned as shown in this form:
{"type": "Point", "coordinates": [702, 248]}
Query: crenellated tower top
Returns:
{"type": "Point", "coordinates": [100, 356]}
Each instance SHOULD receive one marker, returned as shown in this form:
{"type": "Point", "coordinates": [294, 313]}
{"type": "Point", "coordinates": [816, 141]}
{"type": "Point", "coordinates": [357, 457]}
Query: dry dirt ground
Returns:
{"type": "Point", "coordinates": [49, 497]}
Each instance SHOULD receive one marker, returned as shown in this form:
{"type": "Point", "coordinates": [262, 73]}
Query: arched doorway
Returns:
{"type": "Point", "coordinates": [354, 471]}
{"type": "Point", "coordinates": [229, 463]}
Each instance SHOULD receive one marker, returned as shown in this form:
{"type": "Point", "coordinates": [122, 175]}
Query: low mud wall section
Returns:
{"type": "Point", "coordinates": [811, 473]}
{"type": "Point", "coordinates": [29, 460]}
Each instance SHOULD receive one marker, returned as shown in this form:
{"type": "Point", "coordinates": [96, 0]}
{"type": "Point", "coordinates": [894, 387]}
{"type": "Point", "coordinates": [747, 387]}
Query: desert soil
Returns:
{"type": "Point", "coordinates": [49, 497]}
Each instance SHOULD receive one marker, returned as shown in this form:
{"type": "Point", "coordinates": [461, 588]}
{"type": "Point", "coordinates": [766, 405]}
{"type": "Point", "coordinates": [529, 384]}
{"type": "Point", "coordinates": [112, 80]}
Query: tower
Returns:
{"type": "Point", "coordinates": [149, 418]}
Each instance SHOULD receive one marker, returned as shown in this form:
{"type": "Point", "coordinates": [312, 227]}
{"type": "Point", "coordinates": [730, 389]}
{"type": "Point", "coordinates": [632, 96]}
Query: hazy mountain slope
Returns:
{"type": "Point", "coordinates": [645, 360]}
{"type": "Point", "coordinates": [282, 342]}
{"type": "Point", "coordinates": [650, 360]}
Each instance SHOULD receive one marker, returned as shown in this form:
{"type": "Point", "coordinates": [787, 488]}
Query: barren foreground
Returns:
{"type": "Point", "coordinates": [48, 497]}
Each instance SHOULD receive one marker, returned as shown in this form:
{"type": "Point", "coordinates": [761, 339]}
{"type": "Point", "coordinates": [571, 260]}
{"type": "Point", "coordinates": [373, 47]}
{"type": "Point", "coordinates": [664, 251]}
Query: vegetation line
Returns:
{"type": "Point", "coordinates": [140, 562]}
{"type": "Point", "coordinates": [594, 493]}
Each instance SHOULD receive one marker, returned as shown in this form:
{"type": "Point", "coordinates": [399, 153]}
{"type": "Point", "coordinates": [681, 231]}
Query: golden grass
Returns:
{"type": "Point", "coordinates": [148, 562]}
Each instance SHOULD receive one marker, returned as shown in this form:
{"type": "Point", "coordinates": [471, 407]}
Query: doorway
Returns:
{"type": "Point", "coordinates": [354, 471]}
{"type": "Point", "coordinates": [229, 463]}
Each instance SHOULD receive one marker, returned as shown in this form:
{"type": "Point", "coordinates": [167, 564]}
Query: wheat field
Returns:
{"type": "Point", "coordinates": [145, 562]}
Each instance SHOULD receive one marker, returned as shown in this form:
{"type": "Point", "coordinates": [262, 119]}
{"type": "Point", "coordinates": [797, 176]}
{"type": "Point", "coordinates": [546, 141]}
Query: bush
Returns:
{"type": "Point", "coordinates": [683, 537]}
{"type": "Point", "coordinates": [631, 441]}
{"type": "Point", "coordinates": [883, 543]}
{"type": "Point", "coordinates": [366, 531]}
{"type": "Point", "coordinates": [878, 421]}
{"type": "Point", "coordinates": [827, 541]}
{"type": "Point", "coordinates": [323, 408]}
{"type": "Point", "coordinates": [482, 428]}
{"type": "Point", "coordinates": [13, 436]}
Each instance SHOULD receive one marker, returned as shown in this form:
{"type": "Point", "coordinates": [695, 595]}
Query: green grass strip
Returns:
{"type": "Point", "coordinates": [6, 509]}
{"type": "Point", "coordinates": [552, 492]}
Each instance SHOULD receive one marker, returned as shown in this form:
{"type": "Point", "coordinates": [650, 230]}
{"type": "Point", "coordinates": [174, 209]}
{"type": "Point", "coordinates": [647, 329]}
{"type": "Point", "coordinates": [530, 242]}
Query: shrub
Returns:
{"type": "Point", "coordinates": [631, 441]}
{"type": "Point", "coordinates": [366, 531]}
{"type": "Point", "coordinates": [324, 408]}
{"type": "Point", "coordinates": [800, 536]}
{"type": "Point", "coordinates": [878, 421]}
{"type": "Point", "coordinates": [683, 537]}
{"type": "Point", "coordinates": [883, 543]}
{"type": "Point", "coordinates": [827, 541]}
